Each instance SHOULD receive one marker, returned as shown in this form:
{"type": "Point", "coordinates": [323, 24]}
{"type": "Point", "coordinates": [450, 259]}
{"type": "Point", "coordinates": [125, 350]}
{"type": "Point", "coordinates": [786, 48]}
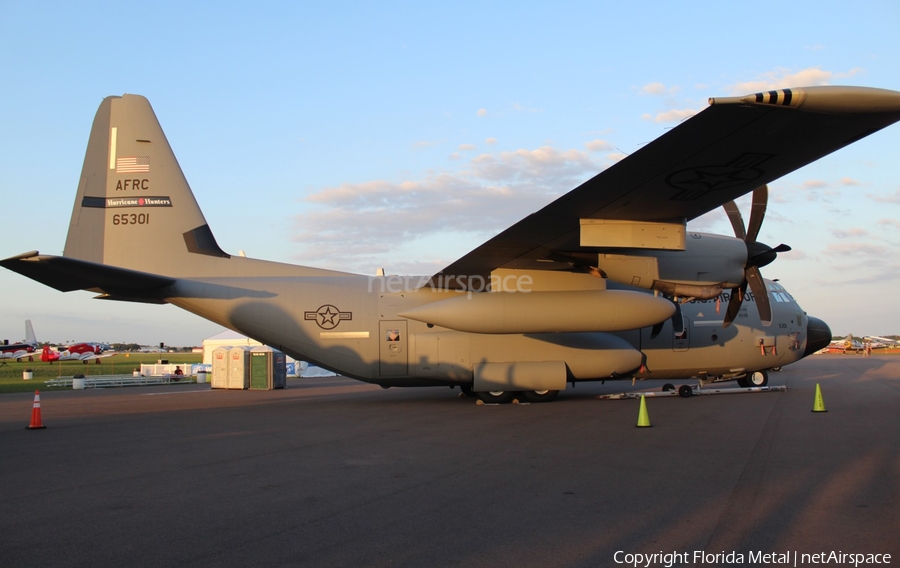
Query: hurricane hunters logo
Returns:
{"type": "Point", "coordinates": [695, 183]}
{"type": "Point", "coordinates": [328, 316]}
{"type": "Point", "coordinates": [116, 202]}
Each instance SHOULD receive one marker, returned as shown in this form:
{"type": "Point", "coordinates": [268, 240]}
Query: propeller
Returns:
{"type": "Point", "coordinates": [758, 255]}
{"type": "Point", "coordinates": [677, 323]}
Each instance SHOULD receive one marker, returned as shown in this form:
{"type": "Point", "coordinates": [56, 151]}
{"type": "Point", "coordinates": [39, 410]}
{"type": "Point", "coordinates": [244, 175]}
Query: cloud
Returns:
{"type": "Point", "coordinates": [782, 78]}
{"type": "Point", "coordinates": [361, 223]}
{"type": "Point", "coordinates": [849, 233]}
{"type": "Point", "coordinates": [523, 108]}
{"type": "Point", "coordinates": [482, 112]}
{"type": "Point", "coordinates": [895, 198]}
{"type": "Point", "coordinates": [814, 184]}
{"type": "Point", "coordinates": [466, 147]}
{"type": "Point", "coordinates": [849, 181]}
{"type": "Point", "coordinates": [855, 249]}
{"type": "Point", "coordinates": [424, 144]}
{"type": "Point", "coordinates": [653, 89]}
{"type": "Point", "coordinates": [792, 255]}
{"type": "Point", "coordinates": [658, 89]}
{"type": "Point", "coordinates": [671, 115]}
{"type": "Point", "coordinates": [889, 223]}
{"type": "Point", "coordinates": [599, 146]}
{"type": "Point", "coordinates": [490, 141]}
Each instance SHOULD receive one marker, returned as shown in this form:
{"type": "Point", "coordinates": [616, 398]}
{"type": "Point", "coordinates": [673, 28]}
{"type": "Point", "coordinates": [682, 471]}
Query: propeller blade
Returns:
{"type": "Point", "coordinates": [734, 303]}
{"type": "Point", "coordinates": [678, 321]}
{"type": "Point", "coordinates": [782, 248]}
{"type": "Point", "coordinates": [737, 221]}
{"type": "Point", "coordinates": [757, 211]}
{"type": "Point", "coordinates": [760, 295]}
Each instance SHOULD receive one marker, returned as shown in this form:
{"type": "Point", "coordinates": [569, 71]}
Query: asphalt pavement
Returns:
{"type": "Point", "coordinates": [332, 472]}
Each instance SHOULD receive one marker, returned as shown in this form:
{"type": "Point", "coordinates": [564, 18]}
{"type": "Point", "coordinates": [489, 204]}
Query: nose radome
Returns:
{"type": "Point", "coordinates": [818, 336]}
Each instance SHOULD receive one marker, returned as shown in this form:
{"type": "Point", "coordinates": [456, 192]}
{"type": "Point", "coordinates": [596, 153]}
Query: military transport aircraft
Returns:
{"type": "Point", "coordinates": [604, 282]}
{"type": "Point", "coordinates": [19, 351]}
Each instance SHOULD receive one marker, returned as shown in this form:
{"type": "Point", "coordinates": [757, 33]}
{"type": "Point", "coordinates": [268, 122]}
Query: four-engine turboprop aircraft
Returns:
{"type": "Point", "coordinates": [604, 282]}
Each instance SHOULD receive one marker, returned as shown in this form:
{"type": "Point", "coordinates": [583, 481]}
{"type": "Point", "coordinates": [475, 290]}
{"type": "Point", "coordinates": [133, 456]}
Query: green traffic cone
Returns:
{"type": "Point", "coordinates": [643, 417]}
{"type": "Point", "coordinates": [819, 404]}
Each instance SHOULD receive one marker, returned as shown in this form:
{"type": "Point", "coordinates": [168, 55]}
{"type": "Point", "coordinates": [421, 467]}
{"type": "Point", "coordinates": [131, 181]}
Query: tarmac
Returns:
{"type": "Point", "coordinates": [332, 472]}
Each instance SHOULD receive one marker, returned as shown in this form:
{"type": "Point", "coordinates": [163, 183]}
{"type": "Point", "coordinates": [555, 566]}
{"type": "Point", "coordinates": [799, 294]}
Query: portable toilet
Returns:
{"type": "Point", "coordinates": [239, 367]}
{"type": "Point", "coordinates": [279, 370]}
{"type": "Point", "coordinates": [260, 369]}
{"type": "Point", "coordinates": [268, 368]}
{"type": "Point", "coordinates": [219, 378]}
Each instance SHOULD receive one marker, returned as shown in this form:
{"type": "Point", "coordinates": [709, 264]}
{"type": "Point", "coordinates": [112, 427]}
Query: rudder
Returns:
{"type": "Point", "coordinates": [30, 337]}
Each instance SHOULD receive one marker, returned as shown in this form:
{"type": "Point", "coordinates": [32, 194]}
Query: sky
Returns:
{"type": "Point", "coordinates": [401, 135]}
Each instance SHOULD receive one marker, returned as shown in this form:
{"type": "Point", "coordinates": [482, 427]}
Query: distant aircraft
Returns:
{"type": "Point", "coordinates": [605, 282]}
{"type": "Point", "coordinates": [849, 343]}
{"type": "Point", "coordinates": [83, 352]}
{"type": "Point", "coordinates": [878, 342]}
{"type": "Point", "coordinates": [19, 351]}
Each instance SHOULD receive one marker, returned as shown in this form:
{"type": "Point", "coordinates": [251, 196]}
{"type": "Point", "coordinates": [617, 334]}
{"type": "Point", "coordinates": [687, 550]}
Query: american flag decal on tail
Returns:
{"type": "Point", "coordinates": [132, 164]}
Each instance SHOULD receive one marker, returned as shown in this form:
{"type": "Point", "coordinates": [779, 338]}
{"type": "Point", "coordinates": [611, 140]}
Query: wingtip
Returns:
{"type": "Point", "coordinates": [829, 99]}
{"type": "Point", "coordinates": [23, 256]}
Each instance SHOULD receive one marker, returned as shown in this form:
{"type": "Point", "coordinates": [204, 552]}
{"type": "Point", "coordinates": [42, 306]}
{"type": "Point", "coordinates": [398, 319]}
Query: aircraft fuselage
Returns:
{"type": "Point", "coordinates": [346, 324]}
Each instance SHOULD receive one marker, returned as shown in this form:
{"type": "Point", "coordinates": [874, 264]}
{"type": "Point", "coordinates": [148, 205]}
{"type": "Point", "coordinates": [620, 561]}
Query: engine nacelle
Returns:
{"type": "Point", "coordinates": [708, 264]}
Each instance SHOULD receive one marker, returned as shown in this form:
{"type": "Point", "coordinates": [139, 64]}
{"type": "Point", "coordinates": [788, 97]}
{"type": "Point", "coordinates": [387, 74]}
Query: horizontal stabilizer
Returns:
{"type": "Point", "coordinates": [67, 274]}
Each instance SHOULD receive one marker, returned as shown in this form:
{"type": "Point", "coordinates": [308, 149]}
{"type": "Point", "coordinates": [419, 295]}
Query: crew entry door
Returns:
{"type": "Point", "coordinates": [392, 349]}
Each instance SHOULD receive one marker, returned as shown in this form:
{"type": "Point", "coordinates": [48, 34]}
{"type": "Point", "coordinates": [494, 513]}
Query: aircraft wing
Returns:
{"type": "Point", "coordinates": [67, 274]}
{"type": "Point", "coordinates": [92, 356]}
{"type": "Point", "coordinates": [17, 354]}
{"type": "Point", "coordinates": [733, 146]}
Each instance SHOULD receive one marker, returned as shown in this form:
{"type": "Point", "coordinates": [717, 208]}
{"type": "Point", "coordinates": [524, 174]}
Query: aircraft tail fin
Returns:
{"type": "Point", "coordinates": [134, 208]}
{"type": "Point", "coordinates": [29, 333]}
{"type": "Point", "coordinates": [47, 355]}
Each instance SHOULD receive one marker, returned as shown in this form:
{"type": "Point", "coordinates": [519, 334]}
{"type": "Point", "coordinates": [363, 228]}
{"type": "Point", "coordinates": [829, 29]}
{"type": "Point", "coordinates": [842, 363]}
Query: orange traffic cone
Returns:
{"type": "Point", "coordinates": [36, 413]}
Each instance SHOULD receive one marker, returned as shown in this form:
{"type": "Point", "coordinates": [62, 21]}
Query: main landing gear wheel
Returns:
{"type": "Point", "coordinates": [754, 379]}
{"type": "Point", "coordinates": [495, 397]}
{"type": "Point", "coordinates": [685, 391]}
{"type": "Point", "coordinates": [759, 379]}
{"type": "Point", "coordinates": [540, 396]}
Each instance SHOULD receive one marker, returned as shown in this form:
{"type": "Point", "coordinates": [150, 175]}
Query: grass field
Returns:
{"type": "Point", "coordinates": [123, 364]}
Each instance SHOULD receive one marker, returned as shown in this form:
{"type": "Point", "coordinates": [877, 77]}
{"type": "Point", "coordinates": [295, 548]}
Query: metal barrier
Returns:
{"type": "Point", "coordinates": [106, 381]}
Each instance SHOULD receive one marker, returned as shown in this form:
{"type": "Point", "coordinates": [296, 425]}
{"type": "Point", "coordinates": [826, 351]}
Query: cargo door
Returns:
{"type": "Point", "coordinates": [393, 356]}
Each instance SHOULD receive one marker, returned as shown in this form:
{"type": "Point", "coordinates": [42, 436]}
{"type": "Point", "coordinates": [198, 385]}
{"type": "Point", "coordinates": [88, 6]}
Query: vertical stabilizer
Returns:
{"type": "Point", "coordinates": [29, 333]}
{"type": "Point", "coordinates": [134, 208]}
